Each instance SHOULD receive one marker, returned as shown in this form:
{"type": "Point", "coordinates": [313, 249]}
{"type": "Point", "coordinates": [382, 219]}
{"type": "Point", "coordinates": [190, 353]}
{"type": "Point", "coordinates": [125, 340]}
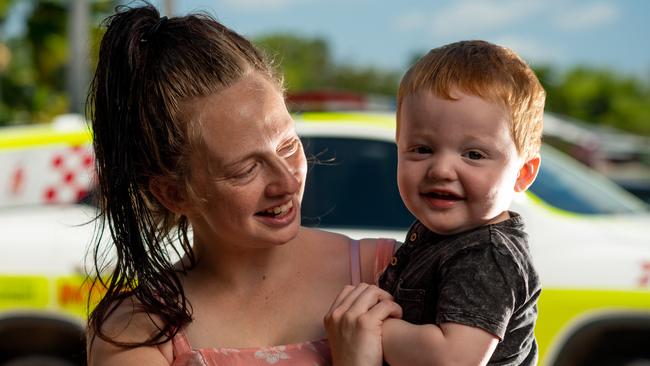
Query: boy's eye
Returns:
{"type": "Point", "coordinates": [474, 155]}
{"type": "Point", "coordinates": [422, 150]}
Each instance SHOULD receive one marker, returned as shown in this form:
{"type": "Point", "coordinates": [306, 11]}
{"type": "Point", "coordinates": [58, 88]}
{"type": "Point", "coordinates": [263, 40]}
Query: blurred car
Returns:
{"type": "Point", "coordinates": [590, 241]}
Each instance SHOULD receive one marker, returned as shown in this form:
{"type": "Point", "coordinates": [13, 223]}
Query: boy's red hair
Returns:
{"type": "Point", "coordinates": [489, 71]}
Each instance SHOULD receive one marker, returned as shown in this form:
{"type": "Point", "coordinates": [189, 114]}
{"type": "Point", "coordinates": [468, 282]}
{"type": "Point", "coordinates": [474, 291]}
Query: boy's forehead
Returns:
{"type": "Point", "coordinates": [425, 96]}
{"type": "Point", "coordinates": [423, 107]}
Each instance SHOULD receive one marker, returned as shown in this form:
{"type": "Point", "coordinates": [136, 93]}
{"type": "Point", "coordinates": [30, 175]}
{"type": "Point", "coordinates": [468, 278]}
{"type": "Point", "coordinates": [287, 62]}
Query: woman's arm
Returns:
{"type": "Point", "coordinates": [127, 326]}
{"type": "Point", "coordinates": [102, 353]}
{"type": "Point", "coordinates": [354, 323]}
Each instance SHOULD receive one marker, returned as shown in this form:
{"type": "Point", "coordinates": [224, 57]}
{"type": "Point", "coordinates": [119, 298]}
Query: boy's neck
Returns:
{"type": "Point", "coordinates": [503, 216]}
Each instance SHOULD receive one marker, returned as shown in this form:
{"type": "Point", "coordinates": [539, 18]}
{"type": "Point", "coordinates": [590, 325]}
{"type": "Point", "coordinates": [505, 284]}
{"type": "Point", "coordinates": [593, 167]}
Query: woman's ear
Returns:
{"type": "Point", "coordinates": [169, 193]}
{"type": "Point", "coordinates": [527, 174]}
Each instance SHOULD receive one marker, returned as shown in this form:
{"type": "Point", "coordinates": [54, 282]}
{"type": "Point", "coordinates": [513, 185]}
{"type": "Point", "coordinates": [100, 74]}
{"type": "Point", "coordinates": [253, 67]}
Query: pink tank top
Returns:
{"type": "Point", "coordinates": [305, 353]}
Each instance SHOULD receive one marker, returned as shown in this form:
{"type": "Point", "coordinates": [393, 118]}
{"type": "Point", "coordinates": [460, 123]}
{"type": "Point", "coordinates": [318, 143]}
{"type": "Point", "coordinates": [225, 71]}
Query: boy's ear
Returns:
{"type": "Point", "coordinates": [527, 174]}
{"type": "Point", "coordinates": [169, 194]}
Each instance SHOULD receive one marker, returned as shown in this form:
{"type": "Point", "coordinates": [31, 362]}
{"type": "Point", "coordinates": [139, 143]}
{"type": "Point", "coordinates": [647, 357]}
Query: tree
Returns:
{"type": "Point", "coordinates": [602, 97]}
{"type": "Point", "coordinates": [306, 64]}
{"type": "Point", "coordinates": [4, 8]}
{"type": "Point", "coordinates": [34, 85]}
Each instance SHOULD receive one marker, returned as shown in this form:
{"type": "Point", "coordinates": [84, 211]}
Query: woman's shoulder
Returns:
{"type": "Point", "coordinates": [324, 236]}
{"type": "Point", "coordinates": [329, 237]}
{"type": "Point", "coordinates": [127, 325]}
{"type": "Point", "coordinates": [374, 253]}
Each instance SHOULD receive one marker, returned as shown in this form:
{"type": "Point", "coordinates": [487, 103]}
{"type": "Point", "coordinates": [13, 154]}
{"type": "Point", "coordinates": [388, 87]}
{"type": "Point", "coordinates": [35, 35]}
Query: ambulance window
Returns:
{"type": "Point", "coordinates": [568, 185]}
{"type": "Point", "coordinates": [352, 183]}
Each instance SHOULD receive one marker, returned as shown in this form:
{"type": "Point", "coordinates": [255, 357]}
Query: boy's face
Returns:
{"type": "Point", "coordinates": [457, 163]}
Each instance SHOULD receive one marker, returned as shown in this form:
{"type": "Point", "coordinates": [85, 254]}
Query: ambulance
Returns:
{"type": "Point", "coordinates": [45, 171]}
{"type": "Point", "coordinates": [590, 240]}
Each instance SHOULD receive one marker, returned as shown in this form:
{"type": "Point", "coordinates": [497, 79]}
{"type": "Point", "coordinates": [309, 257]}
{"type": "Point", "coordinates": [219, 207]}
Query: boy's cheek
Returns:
{"type": "Point", "coordinates": [406, 183]}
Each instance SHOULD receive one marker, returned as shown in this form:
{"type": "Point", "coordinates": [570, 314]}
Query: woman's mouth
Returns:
{"type": "Point", "coordinates": [277, 211]}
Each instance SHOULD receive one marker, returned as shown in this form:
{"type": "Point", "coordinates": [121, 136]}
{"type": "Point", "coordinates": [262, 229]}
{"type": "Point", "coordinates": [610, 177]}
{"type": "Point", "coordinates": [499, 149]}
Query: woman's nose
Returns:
{"type": "Point", "coordinates": [285, 179]}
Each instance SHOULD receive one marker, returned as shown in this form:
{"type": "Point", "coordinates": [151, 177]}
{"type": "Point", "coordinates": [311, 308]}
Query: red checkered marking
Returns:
{"type": "Point", "coordinates": [74, 168]}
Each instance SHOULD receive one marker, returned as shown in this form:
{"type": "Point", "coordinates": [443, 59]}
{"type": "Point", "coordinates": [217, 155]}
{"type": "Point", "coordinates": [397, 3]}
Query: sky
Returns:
{"type": "Point", "coordinates": [388, 33]}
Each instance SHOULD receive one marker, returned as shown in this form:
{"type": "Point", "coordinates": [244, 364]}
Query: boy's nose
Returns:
{"type": "Point", "coordinates": [441, 168]}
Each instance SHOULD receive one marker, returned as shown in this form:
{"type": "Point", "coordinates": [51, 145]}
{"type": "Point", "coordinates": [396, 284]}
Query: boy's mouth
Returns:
{"type": "Point", "coordinates": [443, 195]}
{"type": "Point", "coordinates": [277, 211]}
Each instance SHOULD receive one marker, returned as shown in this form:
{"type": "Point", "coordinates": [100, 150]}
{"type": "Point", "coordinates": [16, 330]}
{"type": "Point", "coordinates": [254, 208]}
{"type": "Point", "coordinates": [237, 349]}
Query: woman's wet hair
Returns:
{"type": "Point", "coordinates": [149, 68]}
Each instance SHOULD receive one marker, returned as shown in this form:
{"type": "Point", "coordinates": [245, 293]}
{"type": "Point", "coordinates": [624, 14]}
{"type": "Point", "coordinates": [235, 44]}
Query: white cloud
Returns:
{"type": "Point", "coordinates": [531, 50]}
{"type": "Point", "coordinates": [588, 17]}
{"type": "Point", "coordinates": [467, 17]}
{"type": "Point", "coordinates": [471, 16]}
{"type": "Point", "coordinates": [410, 21]}
{"type": "Point", "coordinates": [262, 4]}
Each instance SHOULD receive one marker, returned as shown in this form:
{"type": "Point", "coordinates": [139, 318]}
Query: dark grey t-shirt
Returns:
{"type": "Point", "coordinates": [482, 278]}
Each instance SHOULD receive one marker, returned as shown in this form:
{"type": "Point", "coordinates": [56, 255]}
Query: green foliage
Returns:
{"type": "Point", "coordinates": [33, 87]}
{"type": "Point", "coordinates": [306, 64]}
{"type": "Point", "coordinates": [600, 97]}
{"type": "Point", "coordinates": [4, 8]}
{"type": "Point", "coordinates": [46, 34]}
{"type": "Point", "coordinates": [365, 80]}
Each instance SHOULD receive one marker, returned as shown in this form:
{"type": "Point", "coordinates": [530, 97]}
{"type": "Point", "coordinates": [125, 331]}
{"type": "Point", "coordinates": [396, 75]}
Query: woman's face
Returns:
{"type": "Point", "coordinates": [250, 173]}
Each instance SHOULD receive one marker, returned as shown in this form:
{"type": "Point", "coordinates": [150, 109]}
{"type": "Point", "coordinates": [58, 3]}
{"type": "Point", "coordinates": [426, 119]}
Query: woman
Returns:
{"type": "Point", "coordinates": [191, 131]}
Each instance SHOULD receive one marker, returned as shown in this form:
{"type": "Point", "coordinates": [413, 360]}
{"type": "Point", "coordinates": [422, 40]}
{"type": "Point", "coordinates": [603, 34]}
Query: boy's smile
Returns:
{"type": "Point", "coordinates": [457, 163]}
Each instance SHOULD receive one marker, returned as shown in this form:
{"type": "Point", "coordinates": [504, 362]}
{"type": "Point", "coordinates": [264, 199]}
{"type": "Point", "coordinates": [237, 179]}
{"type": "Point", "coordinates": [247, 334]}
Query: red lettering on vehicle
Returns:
{"type": "Point", "coordinates": [644, 281]}
{"type": "Point", "coordinates": [72, 293]}
{"type": "Point", "coordinates": [69, 294]}
{"type": "Point", "coordinates": [17, 181]}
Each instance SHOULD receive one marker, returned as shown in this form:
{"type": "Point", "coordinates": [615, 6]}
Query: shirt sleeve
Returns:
{"type": "Point", "coordinates": [385, 248]}
{"type": "Point", "coordinates": [479, 288]}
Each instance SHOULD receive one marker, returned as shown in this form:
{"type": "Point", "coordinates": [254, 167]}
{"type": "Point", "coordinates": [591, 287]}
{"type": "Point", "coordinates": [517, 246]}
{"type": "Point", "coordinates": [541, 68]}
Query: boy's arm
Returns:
{"type": "Point", "coordinates": [427, 344]}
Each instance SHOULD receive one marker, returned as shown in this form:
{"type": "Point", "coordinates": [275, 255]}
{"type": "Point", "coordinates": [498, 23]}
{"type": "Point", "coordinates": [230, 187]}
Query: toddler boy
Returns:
{"type": "Point", "coordinates": [469, 125]}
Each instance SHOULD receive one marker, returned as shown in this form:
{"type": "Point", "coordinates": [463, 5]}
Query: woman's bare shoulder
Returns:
{"type": "Point", "coordinates": [127, 324]}
{"type": "Point", "coordinates": [324, 237]}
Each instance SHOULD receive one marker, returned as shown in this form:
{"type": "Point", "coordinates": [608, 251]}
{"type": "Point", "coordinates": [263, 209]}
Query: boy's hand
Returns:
{"type": "Point", "coordinates": [354, 324]}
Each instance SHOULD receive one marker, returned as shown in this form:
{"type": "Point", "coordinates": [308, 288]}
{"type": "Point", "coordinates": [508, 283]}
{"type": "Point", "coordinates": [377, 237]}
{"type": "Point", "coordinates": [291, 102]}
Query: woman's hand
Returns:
{"type": "Point", "coordinates": [353, 324]}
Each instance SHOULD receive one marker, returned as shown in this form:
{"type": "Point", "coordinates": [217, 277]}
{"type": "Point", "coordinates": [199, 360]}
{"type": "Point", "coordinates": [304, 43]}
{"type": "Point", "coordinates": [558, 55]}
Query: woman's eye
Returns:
{"type": "Point", "coordinates": [245, 172]}
{"type": "Point", "coordinates": [474, 155]}
{"type": "Point", "coordinates": [289, 148]}
{"type": "Point", "coordinates": [422, 150]}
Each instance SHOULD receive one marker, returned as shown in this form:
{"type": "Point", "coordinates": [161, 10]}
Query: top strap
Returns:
{"type": "Point", "coordinates": [180, 344]}
{"type": "Point", "coordinates": [384, 250]}
{"type": "Point", "coordinates": [355, 262]}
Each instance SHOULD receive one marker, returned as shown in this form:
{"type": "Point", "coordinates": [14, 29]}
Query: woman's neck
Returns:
{"type": "Point", "coordinates": [237, 266]}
